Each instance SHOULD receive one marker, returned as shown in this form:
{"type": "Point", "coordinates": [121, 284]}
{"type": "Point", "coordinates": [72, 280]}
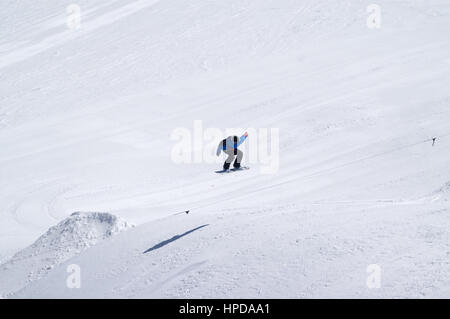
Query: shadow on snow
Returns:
{"type": "Point", "coordinates": [168, 241]}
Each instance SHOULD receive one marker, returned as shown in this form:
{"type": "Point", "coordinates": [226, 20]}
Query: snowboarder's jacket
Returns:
{"type": "Point", "coordinates": [231, 143]}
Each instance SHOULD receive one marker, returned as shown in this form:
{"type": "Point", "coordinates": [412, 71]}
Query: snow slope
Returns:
{"type": "Point", "coordinates": [87, 115]}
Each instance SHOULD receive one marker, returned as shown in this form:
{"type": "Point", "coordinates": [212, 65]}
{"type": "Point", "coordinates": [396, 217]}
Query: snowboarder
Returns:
{"type": "Point", "coordinates": [230, 147]}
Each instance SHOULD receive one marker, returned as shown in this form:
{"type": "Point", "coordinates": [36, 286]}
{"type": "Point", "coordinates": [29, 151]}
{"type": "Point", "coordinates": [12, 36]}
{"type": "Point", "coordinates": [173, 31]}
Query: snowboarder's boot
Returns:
{"type": "Point", "coordinates": [226, 166]}
{"type": "Point", "coordinates": [236, 165]}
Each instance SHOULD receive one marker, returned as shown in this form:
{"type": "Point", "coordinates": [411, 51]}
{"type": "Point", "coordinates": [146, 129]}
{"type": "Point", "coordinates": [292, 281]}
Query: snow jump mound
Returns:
{"type": "Point", "coordinates": [74, 234]}
{"type": "Point", "coordinates": [61, 242]}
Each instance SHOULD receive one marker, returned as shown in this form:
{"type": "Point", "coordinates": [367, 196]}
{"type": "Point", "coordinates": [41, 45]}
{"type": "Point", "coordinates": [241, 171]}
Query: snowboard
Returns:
{"type": "Point", "coordinates": [242, 168]}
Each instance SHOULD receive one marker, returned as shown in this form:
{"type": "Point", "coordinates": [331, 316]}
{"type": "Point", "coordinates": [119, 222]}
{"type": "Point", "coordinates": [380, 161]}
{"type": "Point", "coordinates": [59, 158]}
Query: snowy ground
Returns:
{"type": "Point", "coordinates": [87, 115]}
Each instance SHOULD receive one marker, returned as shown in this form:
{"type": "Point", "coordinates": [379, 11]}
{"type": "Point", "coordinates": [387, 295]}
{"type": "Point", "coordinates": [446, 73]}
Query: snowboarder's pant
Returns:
{"type": "Point", "coordinates": [231, 154]}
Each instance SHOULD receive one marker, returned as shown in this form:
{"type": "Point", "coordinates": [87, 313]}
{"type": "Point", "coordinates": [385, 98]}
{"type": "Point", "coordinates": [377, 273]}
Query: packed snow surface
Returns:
{"type": "Point", "coordinates": [90, 116]}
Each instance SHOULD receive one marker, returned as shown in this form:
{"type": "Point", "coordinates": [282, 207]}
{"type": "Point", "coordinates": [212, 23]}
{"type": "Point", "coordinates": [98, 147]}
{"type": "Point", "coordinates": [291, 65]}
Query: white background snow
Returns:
{"type": "Point", "coordinates": [86, 118]}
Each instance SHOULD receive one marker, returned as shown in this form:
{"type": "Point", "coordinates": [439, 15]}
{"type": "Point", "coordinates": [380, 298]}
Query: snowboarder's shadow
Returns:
{"type": "Point", "coordinates": [168, 241]}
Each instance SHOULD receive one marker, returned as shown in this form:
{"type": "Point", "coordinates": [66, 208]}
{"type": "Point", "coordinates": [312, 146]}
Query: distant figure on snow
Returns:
{"type": "Point", "coordinates": [230, 147]}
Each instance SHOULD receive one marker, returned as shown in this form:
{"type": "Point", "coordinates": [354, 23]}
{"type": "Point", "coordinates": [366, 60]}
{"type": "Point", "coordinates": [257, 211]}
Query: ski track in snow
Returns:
{"type": "Point", "coordinates": [85, 123]}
